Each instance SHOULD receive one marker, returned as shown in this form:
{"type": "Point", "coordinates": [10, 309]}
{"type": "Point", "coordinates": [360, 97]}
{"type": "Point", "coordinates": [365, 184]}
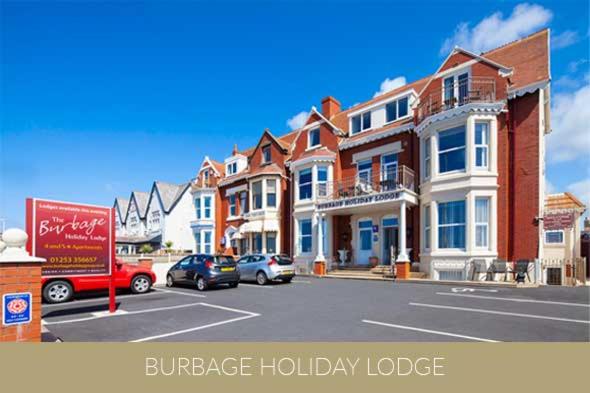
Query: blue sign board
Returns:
{"type": "Point", "coordinates": [16, 308]}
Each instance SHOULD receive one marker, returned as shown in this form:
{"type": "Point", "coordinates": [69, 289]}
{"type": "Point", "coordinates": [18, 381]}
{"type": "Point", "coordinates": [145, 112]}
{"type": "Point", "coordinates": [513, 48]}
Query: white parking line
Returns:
{"type": "Point", "coordinates": [512, 314]}
{"type": "Point", "coordinates": [256, 286]}
{"type": "Point", "coordinates": [512, 299]}
{"type": "Point", "coordinates": [103, 299]}
{"type": "Point", "coordinates": [180, 292]}
{"type": "Point", "coordinates": [248, 315]}
{"type": "Point", "coordinates": [301, 282]}
{"type": "Point", "coordinates": [430, 331]}
{"type": "Point", "coordinates": [149, 310]}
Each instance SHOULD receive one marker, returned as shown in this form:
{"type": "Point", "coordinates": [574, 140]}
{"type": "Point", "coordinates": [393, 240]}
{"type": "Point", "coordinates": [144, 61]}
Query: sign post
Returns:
{"type": "Point", "coordinates": [75, 239]}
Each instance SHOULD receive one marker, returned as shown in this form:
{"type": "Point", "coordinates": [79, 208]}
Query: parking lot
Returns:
{"type": "Point", "coordinates": [311, 309]}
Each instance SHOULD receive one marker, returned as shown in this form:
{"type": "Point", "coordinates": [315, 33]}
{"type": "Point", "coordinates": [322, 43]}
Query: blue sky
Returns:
{"type": "Point", "coordinates": [98, 99]}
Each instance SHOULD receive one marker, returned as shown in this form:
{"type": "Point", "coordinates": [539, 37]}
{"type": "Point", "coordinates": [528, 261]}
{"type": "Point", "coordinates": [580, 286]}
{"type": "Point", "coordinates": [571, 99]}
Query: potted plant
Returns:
{"type": "Point", "coordinates": [373, 260]}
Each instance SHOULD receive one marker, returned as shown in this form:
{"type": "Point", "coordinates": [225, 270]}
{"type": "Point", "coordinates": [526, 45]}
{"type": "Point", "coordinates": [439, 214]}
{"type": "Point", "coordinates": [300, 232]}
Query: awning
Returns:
{"type": "Point", "coordinates": [235, 236]}
{"type": "Point", "coordinates": [250, 227]}
{"type": "Point", "coordinates": [271, 225]}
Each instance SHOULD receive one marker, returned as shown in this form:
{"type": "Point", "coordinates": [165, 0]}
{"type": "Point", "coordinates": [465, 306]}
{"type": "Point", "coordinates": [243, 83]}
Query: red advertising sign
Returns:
{"type": "Point", "coordinates": [553, 221]}
{"type": "Point", "coordinates": [75, 239]}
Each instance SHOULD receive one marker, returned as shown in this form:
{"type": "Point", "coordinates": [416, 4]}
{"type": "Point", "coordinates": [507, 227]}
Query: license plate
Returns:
{"type": "Point", "coordinates": [287, 272]}
{"type": "Point", "coordinates": [228, 269]}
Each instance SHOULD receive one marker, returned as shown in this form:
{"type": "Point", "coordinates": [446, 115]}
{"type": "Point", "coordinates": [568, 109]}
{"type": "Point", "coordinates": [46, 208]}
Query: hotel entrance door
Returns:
{"type": "Point", "coordinates": [390, 239]}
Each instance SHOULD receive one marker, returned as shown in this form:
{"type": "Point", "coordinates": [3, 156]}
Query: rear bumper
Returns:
{"type": "Point", "coordinates": [278, 275]}
{"type": "Point", "coordinates": [224, 278]}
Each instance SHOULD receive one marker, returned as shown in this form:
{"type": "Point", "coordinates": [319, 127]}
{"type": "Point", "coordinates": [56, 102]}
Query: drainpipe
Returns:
{"type": "Point", "coordinates": [511, 170]}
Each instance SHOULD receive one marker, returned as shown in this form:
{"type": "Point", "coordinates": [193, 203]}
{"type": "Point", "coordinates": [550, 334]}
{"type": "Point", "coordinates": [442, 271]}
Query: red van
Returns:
{"type": "Point", "coordinates": [61, 289]}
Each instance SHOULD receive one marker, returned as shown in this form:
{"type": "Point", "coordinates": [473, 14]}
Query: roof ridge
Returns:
{"type": "Point", "coordinates": [504, 46]}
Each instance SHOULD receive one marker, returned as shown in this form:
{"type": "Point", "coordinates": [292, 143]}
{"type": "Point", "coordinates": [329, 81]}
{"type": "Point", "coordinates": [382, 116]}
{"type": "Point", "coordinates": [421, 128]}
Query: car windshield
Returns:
{"type": "Point", "coordinates": [224, 260]}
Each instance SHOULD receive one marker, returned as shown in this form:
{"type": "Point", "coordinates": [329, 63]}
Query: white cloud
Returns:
{"type": "Point", "coordinates": [573, 66]}
{"type": "Point", "coordinates": [549, 187]}
{"type": "Point", "coordinates": [564, 39]}
{"type": "Point", "coordinates": [298, 120]}
{"type": "Point", "coordinates": [390, 84]}
{"type": "Point", "coordinates": [570, 138]}
{"type": "Point", "coordinates": [581, 190]}
{"type": "Point", "coordinates": [495, 30]}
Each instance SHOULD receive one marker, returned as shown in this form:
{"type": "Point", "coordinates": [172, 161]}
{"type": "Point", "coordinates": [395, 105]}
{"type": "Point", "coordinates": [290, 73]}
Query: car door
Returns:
{"type": "Point", "coordinates": [244, 265]}
{"type": "Point", "coordinates": [179, 273]}
{"type": "Point", "coordinates": [191, 270]}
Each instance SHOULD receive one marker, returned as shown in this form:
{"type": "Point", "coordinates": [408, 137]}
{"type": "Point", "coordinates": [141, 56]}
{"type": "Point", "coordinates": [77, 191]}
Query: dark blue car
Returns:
{"type": "Point", "coordinates": [204, 271]}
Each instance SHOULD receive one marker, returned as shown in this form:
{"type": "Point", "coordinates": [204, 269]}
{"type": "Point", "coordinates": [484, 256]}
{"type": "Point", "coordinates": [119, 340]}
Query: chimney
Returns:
{"type": "Point", "coordinates": [330, 106]}
{"type": "Point", "coordinates": [235, 150]}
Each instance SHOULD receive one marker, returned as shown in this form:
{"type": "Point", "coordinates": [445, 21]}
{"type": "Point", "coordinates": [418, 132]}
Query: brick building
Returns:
{"type": "Point", "coordinates": [440, 171]}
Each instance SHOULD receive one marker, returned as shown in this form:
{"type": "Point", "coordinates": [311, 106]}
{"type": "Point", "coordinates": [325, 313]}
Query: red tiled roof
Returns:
{"type": "Point", "coordinates": [563, 201]}
{"type": "Point", "coordinates": [385, 128]}
{"type": "Point", "coordinates": [270, 169]}
{"type": "Point", "coordinates": [219, 167]}
{"type": "Point", "coordinates": [528, 56]}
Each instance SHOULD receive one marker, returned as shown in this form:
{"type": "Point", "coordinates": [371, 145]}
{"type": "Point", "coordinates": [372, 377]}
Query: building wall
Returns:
{"type": "Point", "coordinates": [177, 224]}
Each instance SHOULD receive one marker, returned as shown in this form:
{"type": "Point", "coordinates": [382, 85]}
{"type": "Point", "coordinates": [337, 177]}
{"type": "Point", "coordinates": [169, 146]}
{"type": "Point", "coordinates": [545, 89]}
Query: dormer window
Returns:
{"type": "Point", "coordinates": [266, 154]}
{"type": "Point", "coordinates": [314, 137]}
{"type": "Point", "coordinates": [361, 122]}
{"type": "Point", "coordinates": [206, 177]}
{"type": "Point", "coordinates": [232, 168]}
{"type": "Point", "coordinates": [396, 109]}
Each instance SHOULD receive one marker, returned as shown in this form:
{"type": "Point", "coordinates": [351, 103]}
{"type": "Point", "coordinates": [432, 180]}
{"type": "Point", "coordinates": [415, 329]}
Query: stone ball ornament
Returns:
{"type": "Point", "coordinates": [15, 238]}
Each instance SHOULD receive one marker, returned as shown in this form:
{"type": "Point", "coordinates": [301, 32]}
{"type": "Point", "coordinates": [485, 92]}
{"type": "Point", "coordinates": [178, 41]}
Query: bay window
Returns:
{"type": "Point", "coordinates": [427, 227]}
{"type": "Point", "coordinates": [451, 224]}
{"type": "Point", "coordinates": [207, 242]}
{"type": "Point", "coordinates": [322, 180]}
{"type": "Point", "coordinates": [232, 205]}
{"type": "Point", "coordinates": [427, 154]}
{"type": "Point", "coordinates": [271, 193]}
{"type": "Point", "coordinates": [207, 204]}
{"type": "Point", "coordinates": [243, 202]}
{"type": "Point", "coordinates": [305, 236]}
{"type": "Point", "coordinates": [482, 140]}
{"type": "Point", "coordinates": [198, 207]}
{"type": "Point", "coordinates": [257, 195]}
{"type": "Point", "coordinates": [482, 219]}
{"type": "Point", "coordinates": [451, 150]}
{"type": "Point", "coordinates": [305, 184]}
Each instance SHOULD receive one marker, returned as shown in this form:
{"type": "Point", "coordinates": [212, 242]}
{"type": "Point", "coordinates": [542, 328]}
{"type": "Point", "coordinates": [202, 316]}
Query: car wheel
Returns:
{"type": "Point", "coordinates": [261, 278]}
{"type": "Point", "coordinates": [287, 280]}
{"type": "Point", "coordinates": [169, 281]}
{"type": "Point", "coordinates": [201, 284]}
{"type": "Point", "coordinates": [58, 292]}
{"type": "Point", "coordinates": [233, 284]}
{"type": "Point", "coordinates": [141, 284]}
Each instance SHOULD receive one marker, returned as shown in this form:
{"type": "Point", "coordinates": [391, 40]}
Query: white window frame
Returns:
{"type": "Point", "coordinates": [555, 243]}
{"type": "Point", "coordinates": [463, 224]}
{"type": "Point", "coordinates": [205, 244]}
{"type": "Point", "coordinates": [384, 165]}
{"type": "Point", "coordinates": [482, 224]}
{"type": "Point", "coordinates": [253, 198]}
{"type": "Point", "coordinates": [243, 202]}
{"type": "Point", "coordinates": [207, 210]}
{"type": "Point", "coordinates": [485, 145]}
{"type": "Point", "coordinates": [232, 205]}
{"type": "Point", "coordinates": [396, 103]}
{"type": "Point", "coordinates": [198, 207]}
{"type": "Point", "coordinates": [266, 193]}
{"type": "Point", "coordinates": [300, 236]}
{"type": "Point", "coordinates": [362, 117]}
{"type": "Point", "coordinates": [369, 171]}
{"type": "Point", "coordinates": [463, 147]}
{"type": "Point", "coordinates": [299, 184]}
{"type": "Point", "coordinates": [310, 138]}
{"type": "Point", "coordinates": [455, 76]}
{"type": "Point", "coordinates": [428, 158]}
{"type": "Point", "coordinates": [322, 192]}
{"type": "Point", "coordinates": [427, 227]}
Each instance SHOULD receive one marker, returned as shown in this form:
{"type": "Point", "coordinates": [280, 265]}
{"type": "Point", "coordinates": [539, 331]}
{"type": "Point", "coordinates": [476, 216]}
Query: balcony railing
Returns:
{"type": "Point", "coordinates": [394, 179]}
{"type": "Point", "coordinates": [458, 93]}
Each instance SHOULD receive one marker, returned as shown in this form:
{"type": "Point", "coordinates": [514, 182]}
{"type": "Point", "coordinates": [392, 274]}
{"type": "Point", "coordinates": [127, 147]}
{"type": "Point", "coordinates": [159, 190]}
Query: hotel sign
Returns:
{"type": "Point", "coordinates": [75, 239]}
{"type": "Point", "coordinates": [554, 221]}
{"type": "Point", "coordinates": [359, 201]}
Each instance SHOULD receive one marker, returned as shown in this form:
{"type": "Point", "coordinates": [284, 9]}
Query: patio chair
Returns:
{"type": "Point", "coordinates": [478, 266]}
{"type": "Point", "coordinates": [500, 266]}
{"type": "Point", "coordinates": [522, 270]}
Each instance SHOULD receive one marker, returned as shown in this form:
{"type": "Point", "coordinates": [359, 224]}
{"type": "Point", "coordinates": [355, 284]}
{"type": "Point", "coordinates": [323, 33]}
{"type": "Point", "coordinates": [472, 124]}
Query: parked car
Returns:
{"type": "Point", "coordinates": [204, 271]}
{"type": "Point", "coordinates": [263, 268]}
{"type": "Point", "coordinates": [138, 279]}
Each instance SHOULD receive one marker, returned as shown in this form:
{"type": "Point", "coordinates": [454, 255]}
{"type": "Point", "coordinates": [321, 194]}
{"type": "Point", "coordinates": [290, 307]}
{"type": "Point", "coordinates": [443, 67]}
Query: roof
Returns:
{"type": "Point", "coordinates": [564, 201]}
{"type": "Point", "coordinates": [529, 57]}
{"type": "Point", "coordinates": [122, 205]}
{"type": "Point", "coordinates": [270, 169]}
{"type": "Point", "coordinates": [341, 118]}
{"type": "Point", "coordinates": [141, 201]}
{"type": "Point", "coordinates": [379, 133]}
{"type": "Point", "coordinates": [169, 193]}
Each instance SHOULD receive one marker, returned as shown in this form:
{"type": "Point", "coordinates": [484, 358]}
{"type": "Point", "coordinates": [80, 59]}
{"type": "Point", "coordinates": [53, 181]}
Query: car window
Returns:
{"type": "Point", "coordinates": [185, 261]}
{"type": "Point", "coordinates": [244, 260]}
{"type": "Point", "coordinates": [258, 258]}
{"type": "Point", "coordinates": [225, 260]}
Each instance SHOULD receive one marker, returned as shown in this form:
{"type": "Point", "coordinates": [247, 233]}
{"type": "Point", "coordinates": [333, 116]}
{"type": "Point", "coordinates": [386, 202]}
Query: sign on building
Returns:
{"type": "Point", "coordinates": [75, 239]}
{"type": "Point", "coordinates": [561, 220]}
{"type": "Point", "coordinates": [16, 308]}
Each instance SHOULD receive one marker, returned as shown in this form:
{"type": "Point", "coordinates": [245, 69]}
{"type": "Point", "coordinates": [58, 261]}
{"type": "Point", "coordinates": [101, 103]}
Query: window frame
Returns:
{"type": "Point", "coordinates": [207, 209]}
{"type": "Point", "coordinates": [455, 224]}
{"type": "Point", "coordinates": [198, 207]}
{"type": "Point", "coordinates": [266, 149]}
{"type": "Point", "coordinates": [482, 224]}
{"type": "Point", "coordinates": [322, 192]}
{"type": "Point", "coordinates": [300, 236]}
{"type": "Point", "coordinates": [310, 138]}
{"type": "Point", "coordinates": [254, 205]}
{"type": "Point", "coordinates": [367, 170]}
{"type": "Point", "coordinates": [268, 194]}
{"type": "Point", "coordinates": [232, 205]}
{"type": "Point", "coordinates": [309, 183]}
{"type": "Point", "coordinates": [453, 149]}
{"type": "Point", "coordinates": [427, 227]}
{"type": "Point", "coordinates": [363, 126]}
{"type": "Point", "coordinates": [243, 202]}
{"type": "Point", "coordinates": [272, 235]}
{"type": "Point", "coordinates": [484, 145]}
{"type": "Point", "coordinates": [396, 104]}
{"type": "Point", "coordinates": [428, 158]}
{"type": "Point", "coordinates": [553, 231]}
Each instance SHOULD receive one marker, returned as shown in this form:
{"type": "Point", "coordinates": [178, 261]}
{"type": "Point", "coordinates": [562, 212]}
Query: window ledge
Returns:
{"type": "Point", "coordinates": [314, 147]}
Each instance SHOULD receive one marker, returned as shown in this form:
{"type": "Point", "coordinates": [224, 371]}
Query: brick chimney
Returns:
{"type": "Point", "coordinates": [330, 106]}
{"type": "Point", "coordinates": [235, 150]}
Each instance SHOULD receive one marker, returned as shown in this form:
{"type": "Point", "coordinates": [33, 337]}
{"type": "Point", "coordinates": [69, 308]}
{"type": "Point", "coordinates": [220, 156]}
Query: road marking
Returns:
{"type": "Point", "coordinates": [248, 315]}
{"type": "Point", "coordinates": [429, 331]}
{"type": "Point", "coordinates": [180, 292]}
{"type": "Point", "coordinates": [512, 314]}
{"type": "Point", "coordinates": [456, 290]}
{"type": "Point", "coordinates": [113, 315]}
{"type": "Point", "coordinates": [301, 282]}
{"type": "Point", "coordinates": [512, 299]}
{"type": "Point", "coordinates": [256, 286]}
{"type": "Point", "coordinates": [105, 299]}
